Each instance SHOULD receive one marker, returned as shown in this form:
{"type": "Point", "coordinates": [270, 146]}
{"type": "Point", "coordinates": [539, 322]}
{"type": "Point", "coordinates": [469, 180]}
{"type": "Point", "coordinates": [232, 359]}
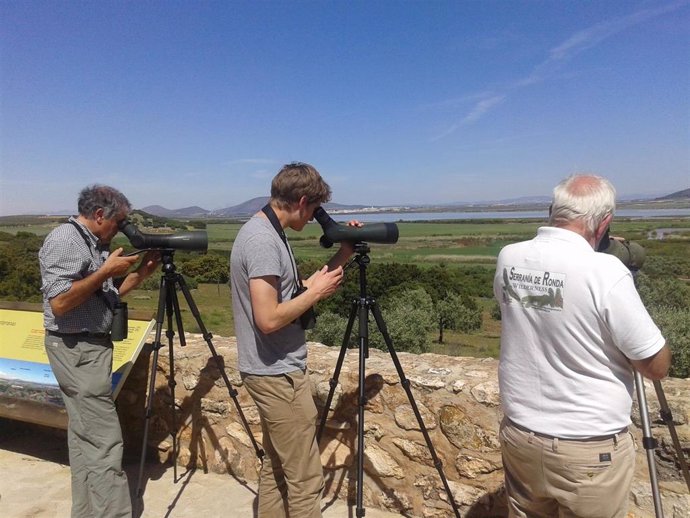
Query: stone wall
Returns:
{"type": "Point", "coordinates": [456, 397]}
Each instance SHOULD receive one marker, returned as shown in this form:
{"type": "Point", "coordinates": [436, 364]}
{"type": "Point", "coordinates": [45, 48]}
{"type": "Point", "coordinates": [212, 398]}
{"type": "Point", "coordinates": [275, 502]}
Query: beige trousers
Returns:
{"type": "Point", "coordinates": [291, 479]}
{"type": "Point", "coordinates": [549, 477]}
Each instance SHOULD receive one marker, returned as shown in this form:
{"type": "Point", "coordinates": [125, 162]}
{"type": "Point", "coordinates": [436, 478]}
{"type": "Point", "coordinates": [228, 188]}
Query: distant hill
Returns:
{"type": "Point", "coordinates": [187, 212]}
{"type": "Point", "coordinates": [254, 205]}
{"type": "Point", "coordinates": [679, 195]}
{"type": "Point", "coordinates": [242, 210]}
{"type": "Point", "coordinates": [247, 208]}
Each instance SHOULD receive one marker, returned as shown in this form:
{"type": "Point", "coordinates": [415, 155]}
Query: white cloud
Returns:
{"type": "Point", "coordinates": [575, 44]}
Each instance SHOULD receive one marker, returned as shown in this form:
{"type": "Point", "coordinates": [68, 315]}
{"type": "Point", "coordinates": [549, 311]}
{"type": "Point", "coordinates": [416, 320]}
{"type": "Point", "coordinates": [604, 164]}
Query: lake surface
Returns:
{"type": "Point", "coordinates": [543, 215]}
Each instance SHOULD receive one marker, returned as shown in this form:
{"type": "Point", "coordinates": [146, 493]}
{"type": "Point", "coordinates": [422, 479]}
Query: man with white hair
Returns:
{"type": "Point", "coordinates": [573, 330]}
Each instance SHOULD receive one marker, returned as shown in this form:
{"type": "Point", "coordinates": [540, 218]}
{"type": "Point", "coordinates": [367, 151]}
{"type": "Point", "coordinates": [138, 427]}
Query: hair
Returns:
{"type": "Point", "coordinates": [586, 197]}
{"type": "Point", "coordinates": [295, 180]}
{"type": "Point", "coordinates": [95, 197]}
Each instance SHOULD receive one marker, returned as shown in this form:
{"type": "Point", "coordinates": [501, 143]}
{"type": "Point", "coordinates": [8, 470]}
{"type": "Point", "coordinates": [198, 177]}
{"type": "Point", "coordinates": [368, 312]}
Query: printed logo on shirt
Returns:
{"type": "Point", "coordinates": [534, 289]}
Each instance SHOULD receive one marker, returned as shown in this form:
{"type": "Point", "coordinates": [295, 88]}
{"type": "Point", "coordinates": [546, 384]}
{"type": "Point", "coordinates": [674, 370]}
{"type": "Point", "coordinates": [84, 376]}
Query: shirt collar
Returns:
{"type": "Point", "coordinates": [91, 235]}
{"type": "Point", "coordinates": [562, 234]}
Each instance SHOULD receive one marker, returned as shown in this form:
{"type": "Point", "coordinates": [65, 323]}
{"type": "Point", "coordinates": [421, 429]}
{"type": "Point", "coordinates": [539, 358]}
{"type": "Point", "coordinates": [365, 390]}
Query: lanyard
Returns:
{"type": "Point", "coordinates": [271, 215]}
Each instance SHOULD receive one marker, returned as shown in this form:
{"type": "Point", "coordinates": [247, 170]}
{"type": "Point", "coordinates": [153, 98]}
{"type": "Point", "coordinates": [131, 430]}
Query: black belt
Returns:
{"type": "Point", "coordinates": [586, 439]}
{"type": "Point", "coordinates": [84, 334]}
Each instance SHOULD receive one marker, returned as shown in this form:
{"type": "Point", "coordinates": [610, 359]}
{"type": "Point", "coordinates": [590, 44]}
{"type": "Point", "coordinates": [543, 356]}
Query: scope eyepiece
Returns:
{"type": "Point", "coordinates": [196, 240]}
{"type": "Point", "coordinates": [334, 232]}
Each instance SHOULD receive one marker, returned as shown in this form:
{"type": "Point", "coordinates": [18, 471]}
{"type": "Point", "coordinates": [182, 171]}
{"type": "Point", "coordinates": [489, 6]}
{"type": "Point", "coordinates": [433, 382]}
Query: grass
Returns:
{"type": "Point", "coordinates": [479, 344]}
{"type": "Point", "coordinates": [212, 301]}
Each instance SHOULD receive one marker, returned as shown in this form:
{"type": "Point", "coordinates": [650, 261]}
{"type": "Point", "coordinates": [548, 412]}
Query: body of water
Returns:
{"type": "Point", "coordinates": [542, 215]}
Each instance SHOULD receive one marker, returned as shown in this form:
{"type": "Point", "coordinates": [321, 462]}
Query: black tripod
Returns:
{"type": "Point", "coordinates": [360, 308]}
{"type": "Point", "coordinates": [168, 303]}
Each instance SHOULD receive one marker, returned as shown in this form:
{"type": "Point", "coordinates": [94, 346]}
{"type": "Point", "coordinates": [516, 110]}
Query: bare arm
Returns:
{"type": "Point", "coordinates": [271, 315]}
{"type": "Point", "coordinates": [341, 256]}
{"type": "Point", "coordinates": [655, 367]}
{"type": "Point", "coordinates": [81, 290]}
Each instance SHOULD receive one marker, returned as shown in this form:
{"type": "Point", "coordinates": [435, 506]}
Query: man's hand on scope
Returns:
{"type": "Point", "coordinates": [149, 263]}
{"type": "Point", "coordinates": [118, 264]}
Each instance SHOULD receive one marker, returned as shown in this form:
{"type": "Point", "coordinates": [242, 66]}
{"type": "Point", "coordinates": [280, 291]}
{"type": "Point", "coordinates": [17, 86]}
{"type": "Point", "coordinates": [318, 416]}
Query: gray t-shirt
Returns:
{"type": "Point", "coordinates": [258, 251]}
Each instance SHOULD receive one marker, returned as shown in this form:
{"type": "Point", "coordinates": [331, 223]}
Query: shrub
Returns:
{"type": "Point", "coordinates": [407, 315]}
{"type": "Point", "coordinates": [675, 326]}
{"type": "Point", "coordinates": [330, 329]}
{"type": "Point", "coordinates": [664, 291]}
{"type": "Point", "coordinates": [453, 312]}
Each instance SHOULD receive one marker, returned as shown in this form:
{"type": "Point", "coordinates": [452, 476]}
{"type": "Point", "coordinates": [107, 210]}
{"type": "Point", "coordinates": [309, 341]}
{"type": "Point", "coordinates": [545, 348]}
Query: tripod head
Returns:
{"type": "Point", "coordinates": [167, 260]}
{"type": "Point", "coordinates": [361, 257]}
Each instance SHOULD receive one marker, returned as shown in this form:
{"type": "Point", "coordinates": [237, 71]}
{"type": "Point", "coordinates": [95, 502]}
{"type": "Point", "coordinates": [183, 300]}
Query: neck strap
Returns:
{"type": "Point", "coordinates": [273, 218]}
{"type": "Point", "coordinates": [87, 240]}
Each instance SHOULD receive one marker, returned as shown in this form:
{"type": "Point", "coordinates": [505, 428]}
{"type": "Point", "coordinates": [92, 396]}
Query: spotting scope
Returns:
{"type": "Point", "coordinates": [631, 254]}
{"type": "Point", "coordinates": [334, 232]}
{"type": "Point", "coordinates": [195, 240]}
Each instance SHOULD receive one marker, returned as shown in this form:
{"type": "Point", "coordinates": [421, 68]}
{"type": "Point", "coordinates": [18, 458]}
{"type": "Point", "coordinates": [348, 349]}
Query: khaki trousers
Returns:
{"type": "Point", "coordinates": [83, 370]}
{"type": "Point", "coordinates": [291, 480]}
{"type": "Point", "coordinates": [551, 477]}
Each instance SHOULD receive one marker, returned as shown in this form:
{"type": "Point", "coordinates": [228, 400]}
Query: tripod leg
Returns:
{"type": "Point", "coordinates": [649, 443]}
{"type": "Point", "coordinates": [361, 400]}
{"type": "Point", "coordinates": [667, 417]}
{"type": "Point", "coordinates": [152, 380]}
{"type": "Point", "coordinates": [333, 382]}
{"type": "Point", "coordinates": [406, 386]}
{"type": "Point", "coordinates": [219, 363]}
{"type": "Point", "coordinates": [173, 309]}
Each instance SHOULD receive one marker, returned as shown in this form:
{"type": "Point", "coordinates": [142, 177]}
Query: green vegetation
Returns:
{"type": "Point", "coordinates": [434, 287]}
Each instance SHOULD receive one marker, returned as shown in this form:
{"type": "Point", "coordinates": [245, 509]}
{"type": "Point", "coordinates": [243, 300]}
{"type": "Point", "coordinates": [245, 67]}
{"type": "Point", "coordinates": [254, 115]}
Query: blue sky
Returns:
{"type": "Point", "coordinates": [395, 102]}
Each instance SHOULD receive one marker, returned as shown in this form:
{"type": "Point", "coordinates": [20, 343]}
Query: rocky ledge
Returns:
{"type": "Point", "coordinates": [456, 398]}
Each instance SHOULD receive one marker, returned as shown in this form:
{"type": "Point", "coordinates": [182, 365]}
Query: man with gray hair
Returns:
{"type": "Point", "coordinates": [573, 330]}
{"type": "Point", "coordinates": [79, 295]}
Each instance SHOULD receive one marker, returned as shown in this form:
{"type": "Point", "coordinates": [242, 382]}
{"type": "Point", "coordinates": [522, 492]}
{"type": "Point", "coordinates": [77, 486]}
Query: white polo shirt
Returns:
{"type": "Point", "coordinates": [571, 318]}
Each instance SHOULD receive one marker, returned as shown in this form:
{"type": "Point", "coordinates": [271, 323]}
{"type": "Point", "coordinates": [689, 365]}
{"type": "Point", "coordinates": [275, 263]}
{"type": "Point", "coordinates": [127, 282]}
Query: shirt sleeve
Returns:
{"type": "Point", "coordinates": [262, 257]}
{"type": "Point", "coordinates": [60, 268]}
{"type": "Point", "coordinates": [632, 328]}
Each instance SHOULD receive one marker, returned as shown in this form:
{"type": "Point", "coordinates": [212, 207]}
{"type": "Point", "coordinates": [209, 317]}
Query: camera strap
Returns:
{"type": "Point", "coordinates": [271, 215]}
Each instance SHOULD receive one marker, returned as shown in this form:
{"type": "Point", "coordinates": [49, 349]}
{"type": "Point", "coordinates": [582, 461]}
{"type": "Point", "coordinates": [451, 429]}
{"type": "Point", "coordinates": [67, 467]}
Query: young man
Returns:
{"type": "Point", "coordinates": [271, 341]}
{"type": "Point", "coordinates": [79, 295]}
{"type": "Point", "coordinates": [573, 328]}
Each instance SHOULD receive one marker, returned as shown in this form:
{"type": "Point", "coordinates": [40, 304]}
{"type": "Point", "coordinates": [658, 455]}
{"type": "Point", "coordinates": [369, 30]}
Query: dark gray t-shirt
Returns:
{"type": "Point", "coordinates": [258, 251]}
